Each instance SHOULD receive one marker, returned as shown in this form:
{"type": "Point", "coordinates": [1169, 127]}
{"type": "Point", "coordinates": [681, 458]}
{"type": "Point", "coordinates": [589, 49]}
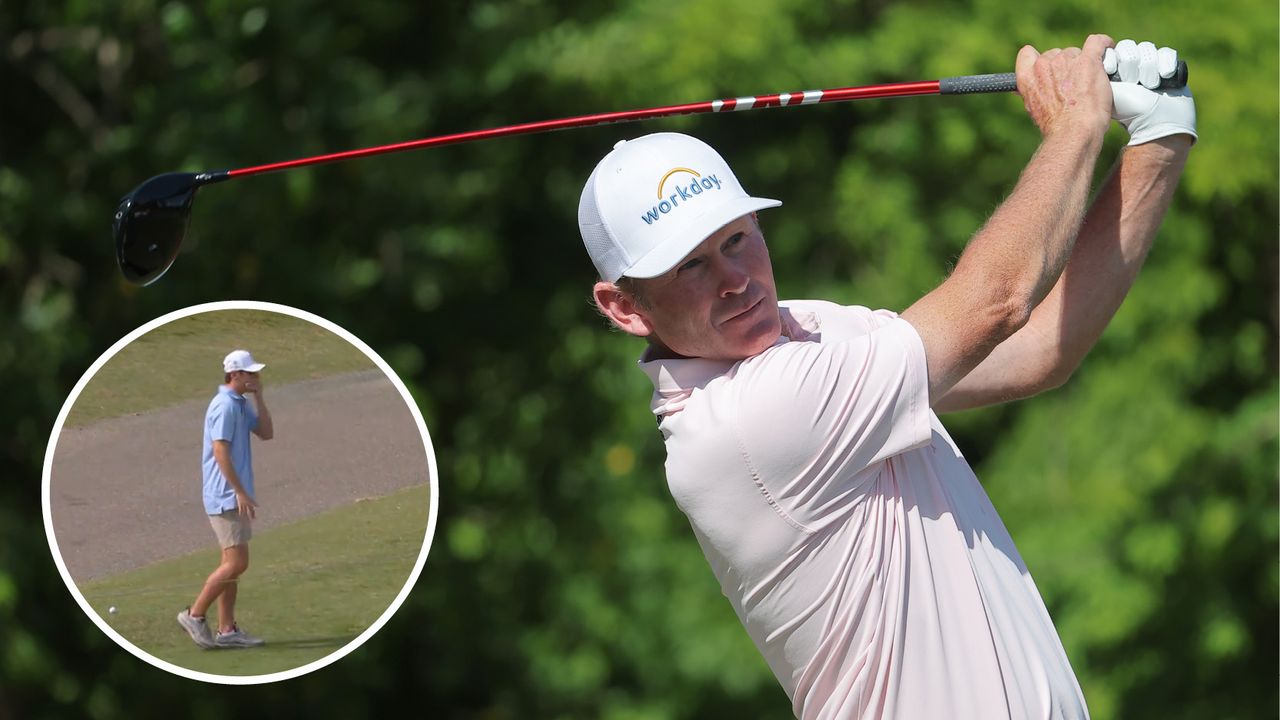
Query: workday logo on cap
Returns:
{"type": "Point", "coordinates": [683, 192]}
{"type": "Point", "coordinates": [629, 229]}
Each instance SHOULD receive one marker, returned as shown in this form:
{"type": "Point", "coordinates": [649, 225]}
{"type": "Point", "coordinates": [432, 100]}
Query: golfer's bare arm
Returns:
{"type": "Point", "coordinates": [1113, 243]}
{"type": "Point", "coordinates": [222, 455]}
{"type": "Point", "coordinates": [1009, 267]}
{"type": "Point", "coordinates": [265, 429]}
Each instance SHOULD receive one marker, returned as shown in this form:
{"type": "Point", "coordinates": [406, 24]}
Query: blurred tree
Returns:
{"type": "Point", "coordinates": [562, 582]}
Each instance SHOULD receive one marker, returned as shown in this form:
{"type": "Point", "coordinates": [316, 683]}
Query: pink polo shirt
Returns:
{"type": "Point", "coordinates": [848, 532]}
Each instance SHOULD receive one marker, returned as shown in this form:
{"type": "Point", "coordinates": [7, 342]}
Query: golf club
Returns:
{"type": "Point", "coordinates": [151, 221]}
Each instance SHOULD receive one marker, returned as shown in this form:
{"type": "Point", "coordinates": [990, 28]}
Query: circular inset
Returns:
{"type": "Point", "coordinates": [229, 427]}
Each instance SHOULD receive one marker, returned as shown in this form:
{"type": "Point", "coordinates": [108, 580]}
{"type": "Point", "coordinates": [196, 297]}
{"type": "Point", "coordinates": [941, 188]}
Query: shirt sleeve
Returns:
{"type": "Point", "coordinates": [222, 422]}
{"type": "Point", "coordinates": [819, 417]}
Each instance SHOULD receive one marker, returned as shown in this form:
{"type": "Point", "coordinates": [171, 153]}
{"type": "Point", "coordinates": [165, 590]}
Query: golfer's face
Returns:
{"type": "Point", "coordinates": [243, 381]}
{"type": "Point", "coordinates": [719, 301]}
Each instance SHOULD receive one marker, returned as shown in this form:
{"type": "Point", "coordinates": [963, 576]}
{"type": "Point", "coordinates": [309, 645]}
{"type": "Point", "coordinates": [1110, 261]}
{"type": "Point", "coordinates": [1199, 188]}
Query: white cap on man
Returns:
{"type": "Point", "coordinates": [654, 199]}
{"type": "Point", "coordinates": [240, 360]}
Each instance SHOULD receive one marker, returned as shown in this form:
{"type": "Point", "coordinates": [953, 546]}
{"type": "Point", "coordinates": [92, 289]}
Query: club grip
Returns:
{"type": "Point", "coordinates": [968, 84]}
{"type": "Point", "coordinates": [1008, 82]}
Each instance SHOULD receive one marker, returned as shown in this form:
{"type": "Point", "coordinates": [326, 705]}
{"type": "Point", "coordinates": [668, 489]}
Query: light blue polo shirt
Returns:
{"type": "Point", "coordinates": [229, 418]}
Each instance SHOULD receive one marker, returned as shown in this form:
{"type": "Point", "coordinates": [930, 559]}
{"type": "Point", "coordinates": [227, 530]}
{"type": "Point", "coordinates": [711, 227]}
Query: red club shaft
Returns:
{"type": "Point", "coordinates": [810, 97]}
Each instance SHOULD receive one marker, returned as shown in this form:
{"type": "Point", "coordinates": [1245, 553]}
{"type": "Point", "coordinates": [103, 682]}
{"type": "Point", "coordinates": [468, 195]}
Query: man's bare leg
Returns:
{"type": "Point", "coordinates": [221, 582]}
{"type": "Point", "coordinates": [227, 600]}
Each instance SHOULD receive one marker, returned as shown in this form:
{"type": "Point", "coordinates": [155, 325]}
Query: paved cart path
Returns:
{"type": "Point", "coordinates": [125, 492]}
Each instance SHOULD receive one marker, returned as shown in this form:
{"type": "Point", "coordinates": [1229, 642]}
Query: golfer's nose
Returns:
{"type": "Point", "coordinates": [733, 278]}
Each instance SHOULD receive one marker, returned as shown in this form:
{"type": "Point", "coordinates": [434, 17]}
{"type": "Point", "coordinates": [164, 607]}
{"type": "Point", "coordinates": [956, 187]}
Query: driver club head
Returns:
{"type": "Point", "coordinates": [150, 223]}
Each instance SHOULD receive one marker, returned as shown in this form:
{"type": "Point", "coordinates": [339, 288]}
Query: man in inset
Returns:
{"type": "Point", "coordinates": [846, 529]}
{"type": "Point", "coordinates": [227, 461]}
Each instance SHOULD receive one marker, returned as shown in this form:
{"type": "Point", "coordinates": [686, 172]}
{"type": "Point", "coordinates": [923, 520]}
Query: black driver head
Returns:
{"type": "Point", "coordinates": [150, 223]}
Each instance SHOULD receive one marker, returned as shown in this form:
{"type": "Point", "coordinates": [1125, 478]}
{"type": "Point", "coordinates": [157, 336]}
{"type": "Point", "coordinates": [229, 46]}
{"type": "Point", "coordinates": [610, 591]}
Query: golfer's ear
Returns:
{"type": "Point", "coordinates": [621, 308]}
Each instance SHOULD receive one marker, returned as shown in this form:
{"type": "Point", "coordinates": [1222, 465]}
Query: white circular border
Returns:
{"type": "Point", "coordinates": [241, 679]}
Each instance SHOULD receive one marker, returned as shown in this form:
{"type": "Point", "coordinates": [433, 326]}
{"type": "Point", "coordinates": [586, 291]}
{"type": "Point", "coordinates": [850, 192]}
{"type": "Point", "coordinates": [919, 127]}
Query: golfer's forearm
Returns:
{"type": "Point", "coordinates": [1113, 244]}
{"type": "Point", "coordinates": [222, 455]}
{"type": "Point", "coordinates": [1114, 240]}
{"type": "Point", "coordinates": [1010, 264]}
{"type": "Point", "coordinates": [1018, 255]}
{"type": "Point", "coordinates": [265, 429]}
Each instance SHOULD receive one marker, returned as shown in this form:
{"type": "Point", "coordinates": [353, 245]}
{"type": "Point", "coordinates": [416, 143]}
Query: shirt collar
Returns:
{"type": "Point", "coordinates": [675, 379]}
{"type": "Point", "coordinates": [226, 390]}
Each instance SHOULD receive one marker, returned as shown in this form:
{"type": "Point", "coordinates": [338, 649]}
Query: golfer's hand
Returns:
{"type": "Point", "coordinates": [246, 505]}
{"type": "Point", "coordinates": [1066, 89]}
{"type": "Point", "coordinates": [253, 385]}
{"type": "Point", "coordinates": [1148, 114]}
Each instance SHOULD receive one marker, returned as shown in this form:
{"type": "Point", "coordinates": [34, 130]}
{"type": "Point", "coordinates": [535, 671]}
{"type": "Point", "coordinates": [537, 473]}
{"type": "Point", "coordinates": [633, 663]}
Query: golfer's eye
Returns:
{"type": "Point", "coordinates": [689, 265]}
{"type": "Point", "coordinates": [734, 240]}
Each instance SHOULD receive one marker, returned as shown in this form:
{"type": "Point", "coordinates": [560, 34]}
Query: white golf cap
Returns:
{"type": "Point", "coordinates": [652, 200]}
{"type": "Point", "coordinates": [240, 360]}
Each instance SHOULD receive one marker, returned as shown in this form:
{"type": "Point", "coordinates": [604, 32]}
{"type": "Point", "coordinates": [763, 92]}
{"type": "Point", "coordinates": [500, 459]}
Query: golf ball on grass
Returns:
{"type": "Point", "coordinates": [112, 610]}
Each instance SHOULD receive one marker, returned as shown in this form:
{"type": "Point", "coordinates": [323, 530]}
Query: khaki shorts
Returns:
{"type": "Point", "coordinates": [232, 528]}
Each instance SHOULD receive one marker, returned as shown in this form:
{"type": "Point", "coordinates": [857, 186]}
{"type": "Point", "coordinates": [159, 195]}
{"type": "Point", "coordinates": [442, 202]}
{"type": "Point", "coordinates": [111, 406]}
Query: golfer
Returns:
{"type": "Point", "coordinates": [227, 461]}
{"type": "Point", "coordinates": [845, 527]}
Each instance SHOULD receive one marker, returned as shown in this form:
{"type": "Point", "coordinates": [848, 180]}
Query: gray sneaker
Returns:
{"type": "Point", "coordinates": [237, 638]}
{"type": "Point", "coordinates": [197, 628]}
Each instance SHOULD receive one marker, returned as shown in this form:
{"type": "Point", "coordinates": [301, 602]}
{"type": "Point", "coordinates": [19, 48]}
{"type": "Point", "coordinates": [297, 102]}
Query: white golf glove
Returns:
{"type": "Point", "coordinates": [1148, 114]}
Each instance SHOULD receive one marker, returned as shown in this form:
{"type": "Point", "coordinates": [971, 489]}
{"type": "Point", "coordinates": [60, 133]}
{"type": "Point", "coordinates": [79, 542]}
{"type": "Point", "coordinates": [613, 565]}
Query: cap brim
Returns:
{"type": "Point", "coordinates": [665, 256]}
{"type": "Point", "coordinates": [256, 367]}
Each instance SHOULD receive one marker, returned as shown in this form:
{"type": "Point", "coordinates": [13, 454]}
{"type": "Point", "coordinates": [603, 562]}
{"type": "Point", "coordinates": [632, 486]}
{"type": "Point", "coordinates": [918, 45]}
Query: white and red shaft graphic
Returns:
{"type": "Point", "coordinates": [757, 102]}
{"type": "Point", "coordinates": [967, 84]}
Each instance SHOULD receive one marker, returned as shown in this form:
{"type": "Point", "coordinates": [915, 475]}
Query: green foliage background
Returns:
{"type": "Point", "coordinates": [562, 582]}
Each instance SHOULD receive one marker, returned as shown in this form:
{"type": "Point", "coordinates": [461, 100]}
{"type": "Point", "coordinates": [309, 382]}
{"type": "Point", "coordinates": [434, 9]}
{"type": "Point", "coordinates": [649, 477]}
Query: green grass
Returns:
{"type": "Point", "coordinates": [182, 360]}
{"type": "Point", "coordinates": [312, 586]}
